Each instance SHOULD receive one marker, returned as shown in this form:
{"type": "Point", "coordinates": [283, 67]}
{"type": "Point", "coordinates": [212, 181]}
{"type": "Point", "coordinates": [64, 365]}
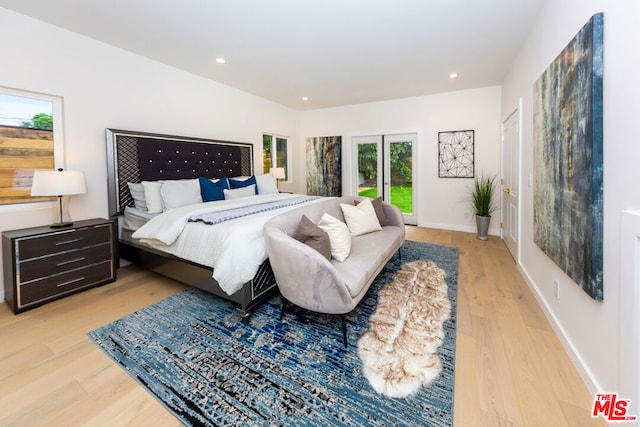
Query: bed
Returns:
{"type": "Point", "coordinates": [138, 157]}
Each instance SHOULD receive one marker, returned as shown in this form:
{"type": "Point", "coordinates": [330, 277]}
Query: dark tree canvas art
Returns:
{"type": "Point", "coordinates": [324, 166]}
{"type": "Point", "coordinates": [568, 155]}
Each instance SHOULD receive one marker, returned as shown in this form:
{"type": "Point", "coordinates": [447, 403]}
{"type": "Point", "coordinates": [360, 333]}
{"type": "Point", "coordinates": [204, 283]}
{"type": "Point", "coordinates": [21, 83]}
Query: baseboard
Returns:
{"type": "Point", "coordinates": [463, 228]}
{"type": "Point", "coordinates": [584, 372]}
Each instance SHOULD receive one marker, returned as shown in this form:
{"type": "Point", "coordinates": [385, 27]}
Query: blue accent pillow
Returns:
{"type": "Point", "coordinates": [212, 191]}
{"type": "Point", "coordinates": [237, 183]}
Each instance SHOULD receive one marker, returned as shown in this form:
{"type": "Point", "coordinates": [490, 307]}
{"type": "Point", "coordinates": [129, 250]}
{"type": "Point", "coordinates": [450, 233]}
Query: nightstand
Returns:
{"type": "Point", "coordinates": [42, 264]}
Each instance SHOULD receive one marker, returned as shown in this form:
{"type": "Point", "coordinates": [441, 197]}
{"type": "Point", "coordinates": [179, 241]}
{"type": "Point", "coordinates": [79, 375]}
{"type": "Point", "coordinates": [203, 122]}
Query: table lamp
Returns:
{"type": "Point", "coordinates": [278, 173]}
{"type": "Point", "coordinates": [58, 183]}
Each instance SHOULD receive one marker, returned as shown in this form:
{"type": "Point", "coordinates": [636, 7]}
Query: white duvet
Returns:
{"type": "Point", "coordinates": [234, 249]}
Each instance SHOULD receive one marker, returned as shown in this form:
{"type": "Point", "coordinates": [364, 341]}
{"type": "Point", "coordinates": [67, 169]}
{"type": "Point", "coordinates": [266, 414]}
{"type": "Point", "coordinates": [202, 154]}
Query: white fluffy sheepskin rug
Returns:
{"type": "Point", "coordinates": [399, 351]}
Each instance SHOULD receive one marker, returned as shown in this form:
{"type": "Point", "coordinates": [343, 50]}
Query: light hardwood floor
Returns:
{"type": "Point", "coordinates": [511, 370]}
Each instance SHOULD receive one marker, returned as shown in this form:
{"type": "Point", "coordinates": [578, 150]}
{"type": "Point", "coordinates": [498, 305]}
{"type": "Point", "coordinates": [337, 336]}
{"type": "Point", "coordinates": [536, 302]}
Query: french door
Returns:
{"type": "Point", "coordinates": [384, 168]}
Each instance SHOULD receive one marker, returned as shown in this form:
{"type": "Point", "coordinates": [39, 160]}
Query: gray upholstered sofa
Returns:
{"type": "Point", "coordinates": [308, 280]}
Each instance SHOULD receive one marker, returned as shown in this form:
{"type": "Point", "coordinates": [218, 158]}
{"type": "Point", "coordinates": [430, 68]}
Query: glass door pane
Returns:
{"type": "Point", "coordinates": [368, 161]}
{"type": "Point", "coordinates": [401, 175]}
{"type": "Point", "coordinates": [368, 170]}
{"type": "Point", "coordinates": [399, 150]}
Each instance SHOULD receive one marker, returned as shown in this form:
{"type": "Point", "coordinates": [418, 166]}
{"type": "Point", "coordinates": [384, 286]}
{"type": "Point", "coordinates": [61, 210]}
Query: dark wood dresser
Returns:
{"type": "Point", "coordinates": [42, 264]}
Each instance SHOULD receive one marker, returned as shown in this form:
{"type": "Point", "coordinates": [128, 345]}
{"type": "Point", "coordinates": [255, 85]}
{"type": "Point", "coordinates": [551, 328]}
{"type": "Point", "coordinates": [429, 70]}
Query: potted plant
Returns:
{"type": "Point", "coordinates": [481, 195]}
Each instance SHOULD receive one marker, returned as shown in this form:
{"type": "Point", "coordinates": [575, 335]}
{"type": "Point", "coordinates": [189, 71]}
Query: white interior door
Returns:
{"type": "Point", "coordinates": [510, 186]}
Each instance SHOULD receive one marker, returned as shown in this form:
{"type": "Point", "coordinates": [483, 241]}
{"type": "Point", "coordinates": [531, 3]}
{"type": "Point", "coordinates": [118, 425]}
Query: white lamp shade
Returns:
{"type": "Point", "coordinates": [278, 173]}
{"type": "Point", "coordinates": [58, 183]}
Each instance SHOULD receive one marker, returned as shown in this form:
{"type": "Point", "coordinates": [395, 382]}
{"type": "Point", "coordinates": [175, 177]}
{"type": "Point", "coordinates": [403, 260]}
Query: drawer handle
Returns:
{"type": "Point", "coordinates": [70, 282]}
{"type": "Point", "coordinates": [66, 242]}
{"type": "Point", "coordinates": [71, 261]}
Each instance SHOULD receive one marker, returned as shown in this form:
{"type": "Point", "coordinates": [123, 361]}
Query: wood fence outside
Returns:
{"type": "Point", "coordinates": [22, 150]}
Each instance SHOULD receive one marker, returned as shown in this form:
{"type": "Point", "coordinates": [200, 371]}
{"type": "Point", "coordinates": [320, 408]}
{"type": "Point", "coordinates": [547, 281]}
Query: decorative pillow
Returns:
{"type": "Point", "coordinates": [266, 184]}
{"type": "Point", "coordinates": [313, 236]}
{"type": "Point", "coordinates": [361, 219]}
{"type": "Point", "coordinates": [241, 183]}
{"type": "Point", "coordinates": [180, 192]}
{"type": "Point", "coordinates": [212, 189]}
{"type": "Point", "coordinates": [137, 192]}
{"type": "Point", "coordinates": [338, 236]}
{"type": "Point", "coordinates": [240, 192]}
{"type": "Point", "coordinates": [377, 206]}
{"type": "Point", "coordinates": [152, 196]}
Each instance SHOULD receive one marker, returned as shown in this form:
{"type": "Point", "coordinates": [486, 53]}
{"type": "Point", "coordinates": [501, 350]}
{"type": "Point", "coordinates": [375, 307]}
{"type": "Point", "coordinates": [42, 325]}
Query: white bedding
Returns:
{"type": "Point", "coordinates": [234, 249]}
{"type": "Point", "coordinates": [135, 218]}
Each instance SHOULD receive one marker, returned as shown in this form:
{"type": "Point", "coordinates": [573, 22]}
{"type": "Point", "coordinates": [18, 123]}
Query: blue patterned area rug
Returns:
{"type": "Point", "coordinates": [192, 352]}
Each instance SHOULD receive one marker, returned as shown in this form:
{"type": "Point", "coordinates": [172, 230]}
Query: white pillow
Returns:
{"type": "Point", "coordinates": [180, 192]}
{"type": "Point", "coordinates": [137, 192]}
{"type": "Point", "coordinates": [266, 184]}
{"type": "Point", "coordinates": [152, 196]}
{"type": "Point", "coordinates": [249, 190]}
{"type": "Point", "coordinates": [361, 219]}
{"type": "Point", "coordinates": [338, 236]}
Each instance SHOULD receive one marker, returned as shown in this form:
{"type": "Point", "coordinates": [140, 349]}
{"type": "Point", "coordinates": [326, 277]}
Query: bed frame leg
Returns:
{"type": "Point", "coordinates": [245, 315]}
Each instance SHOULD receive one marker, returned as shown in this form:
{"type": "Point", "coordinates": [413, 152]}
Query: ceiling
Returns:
{"type": "Point", "coordinates": [335, 52]}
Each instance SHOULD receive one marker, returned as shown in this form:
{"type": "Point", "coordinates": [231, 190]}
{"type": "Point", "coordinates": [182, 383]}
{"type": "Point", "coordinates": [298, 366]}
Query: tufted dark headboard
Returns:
{"type": "Point", "coordinates": [138, 156]}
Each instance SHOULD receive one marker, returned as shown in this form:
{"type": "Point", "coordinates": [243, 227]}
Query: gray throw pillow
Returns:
{"type": "Point", "coordinates": [377, 206]}
{"type": "Point", "coordinates": [313, 236]}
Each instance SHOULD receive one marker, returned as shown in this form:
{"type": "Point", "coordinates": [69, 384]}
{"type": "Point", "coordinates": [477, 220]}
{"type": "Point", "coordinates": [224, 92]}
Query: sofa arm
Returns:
{"type": "Point", "coordinates": [304, 276]}
{"type": "Point", "coordinates": [394, 214]}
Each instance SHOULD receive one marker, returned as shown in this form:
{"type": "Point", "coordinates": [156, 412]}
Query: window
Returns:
{"type": "Point", "coordinates": [30, 138]}
{"type": "Point", "coordinates": [275, 154]}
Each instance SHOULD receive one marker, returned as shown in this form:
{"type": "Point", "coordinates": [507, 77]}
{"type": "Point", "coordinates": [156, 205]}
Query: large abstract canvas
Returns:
{"type": "Point", "coordinates": [568, 209]}
{"type": "Point", "coordinates": [324, 166]}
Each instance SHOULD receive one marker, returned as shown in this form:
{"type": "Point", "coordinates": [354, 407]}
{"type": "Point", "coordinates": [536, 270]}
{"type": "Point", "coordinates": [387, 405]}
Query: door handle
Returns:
{"type": "Point", "coordinates": [507, 190]}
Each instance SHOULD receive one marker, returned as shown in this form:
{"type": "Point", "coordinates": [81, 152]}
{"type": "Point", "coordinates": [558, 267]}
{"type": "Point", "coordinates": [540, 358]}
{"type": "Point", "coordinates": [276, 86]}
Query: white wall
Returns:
{"type": "Point", "coordinates": [443, 200]}
{"type": "Point", "coordinates": [591, 330]}
{"type": "Point", "coordinates": [105, 87]}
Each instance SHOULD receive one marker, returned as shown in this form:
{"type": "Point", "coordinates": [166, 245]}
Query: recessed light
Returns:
{"type": "Point", "coordinates": [304, 98]}
{"type": "Point", "coordinates": [453, 75]}
{"type": "Point", "coordinates": [220, 60]}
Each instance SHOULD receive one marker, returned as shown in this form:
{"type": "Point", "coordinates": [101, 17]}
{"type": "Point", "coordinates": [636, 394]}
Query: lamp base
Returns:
{"type": "Point", "coordinates": [61, 218]}
{"type": "Point", "coordinates": [61, 224]}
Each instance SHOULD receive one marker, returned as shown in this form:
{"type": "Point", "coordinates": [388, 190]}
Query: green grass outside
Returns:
{"type": "Point", "coordinates": [401, 196]}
